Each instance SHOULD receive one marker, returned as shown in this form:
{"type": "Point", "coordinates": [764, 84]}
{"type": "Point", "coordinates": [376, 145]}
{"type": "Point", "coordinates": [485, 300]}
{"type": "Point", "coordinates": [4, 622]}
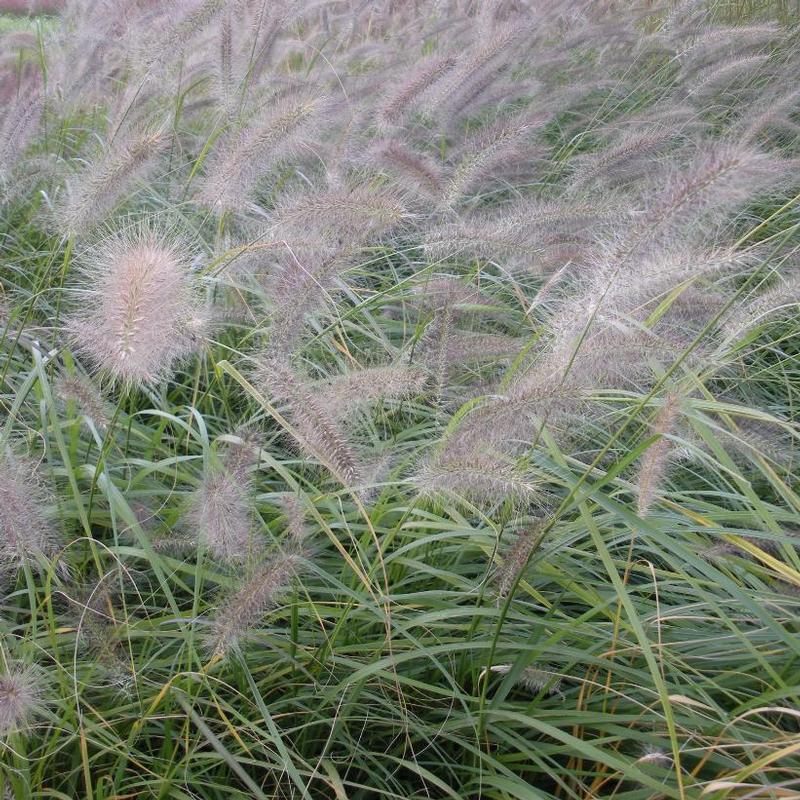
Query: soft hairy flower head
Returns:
{"type": "Point", "coordinates": [20, 697]}
{"type": "Point", "coordinates": [110, 176]}
{"type": "Point", "coordinates": [295, 514]}
{"type": "Point", "coordinates": [720, 178]}
{"type": "Point", "coordinates": [533, 679]}
{"type": "Point", "coordinates": [241, 610]}
{"type": "Point", "coordinates": [655, 461]}
{"type": "Point", "coordinates": [87, 397]}
{"type": "Point", "coordinates": [25, 530]}
{"type": "Point", "coordinates": [18, 125]}
{"type": "Point", "coordinates": [140, 315]}
{"type": "Point", "coordinates": [240, 159]}
{"type": "Point", "coordinates": [344, 394]}
{"type": "Point", "coordinates": [313, 428]}
{"type": "Point", "coordinates": [349, 215]}
{"type": "Point", "coordinates": [516, 558]}
{"type": "Point", "coordinates": [475, 476]}
{"type": "Point", "coordinates": [222, 515]}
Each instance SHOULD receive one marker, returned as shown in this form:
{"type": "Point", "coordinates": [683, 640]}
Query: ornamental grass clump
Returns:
{"type": "Point", "coordinates": [398, 399]}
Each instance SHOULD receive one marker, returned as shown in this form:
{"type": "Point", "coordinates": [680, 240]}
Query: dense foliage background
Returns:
{"type": "Point", "coordinates": [399, 400]}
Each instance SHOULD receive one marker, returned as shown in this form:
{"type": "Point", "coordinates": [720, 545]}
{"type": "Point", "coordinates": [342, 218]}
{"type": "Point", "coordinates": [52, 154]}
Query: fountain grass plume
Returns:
{"type": "Point", "coordinates": [222, 513]}
{"type": "Point", "coordinates": [240, 159]}
{"type": "Point", "coordinates": [142, 314]}
{"type": "Point", "coordinates": [27, 530]}
{"type": "Point", "coordinates": [344, 394]}
{"type": "Point", "coordinates": [22, 696]}
{"type": "Point", "coordinates": [241, 610]}
{"type": "Point", "coordinates": [96, 188]}
{"type": "Point", "coordinates": [315, 430]}
{"type": "Point", "coordinates": [655, 461]}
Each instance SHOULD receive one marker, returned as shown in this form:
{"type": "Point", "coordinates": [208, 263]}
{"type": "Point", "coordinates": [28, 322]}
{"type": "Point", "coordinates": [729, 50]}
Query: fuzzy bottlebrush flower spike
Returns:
{"type": "Point", "coordinates": [396, 105]}
{"type": "Point", "coordinates": [100, 622]}
{"type": "Point", "coordinates": [508, 421]}
{"type": "Point", "coordinates": [320, 233]}
{"type": "Point", "coordinates": [502, 144]}
{"type": "Point", "coordinates": [475, 347]}
{"type": "Point", "coordinates": [727, 75]}
{"type": "Point", "coordinates": [476, 476]}
{"type": "Point", "coordinates": [778, 299]}
{"type": "Point", "coordinates": [17, 127]}
{"type": "Point", "coordinates": [242, 610]}
{"type": "Point", "coordinates": [93, 192]}
{"type": "Point", "coordinates": [314, 429]}
{"type": "Point", "coordinates": [342, 395]}
{"type": "Point", "coordinates": [240, 160]}
{"type": "Point", "coordinates": [221, 514]}
{"type": "Point", "coordinates": [181, 28]}
{"type": "Point", "coordinates": [721, 177]}
{"type": "Point", "coordinates": [142, 314]}
{"type": "Point", "coordinates": [434, 344]}
{"type": "Point", "coordinates": [337, 217]}
{"type": "Point", "coordinates": [476, 69]}
{"type": "Point", "coordinates": [533, 679]}
{"type": "Point", "coordinates": [26, 532]}
{"type": "Point", "coordinates": [521, 231]}
{"type": "Point", "coordinates": [710, 45]}
{"type": "Point", "coordinates": [416, 172]}
{"type": "Point", "coordinates": [21, 697]}
{"type": "Point", "coordinates": [221, 511]}
{"type": "Point", "coordinates": [447, 291]}
{"type": "Point", "coordinates": [610, 306]}
{"type": "Point", "coordinates": [516, 558]}
{"type": "Point", "coordinates": [626, 159]}
{"type": "Point", "coordinates": [655, 461]}
{"type": "Point", "coordinates": [298, 289]}
{"type": "Point", "coordinates": [296, 518]}
{"type": "Point", "coordinates": [81, 390]}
